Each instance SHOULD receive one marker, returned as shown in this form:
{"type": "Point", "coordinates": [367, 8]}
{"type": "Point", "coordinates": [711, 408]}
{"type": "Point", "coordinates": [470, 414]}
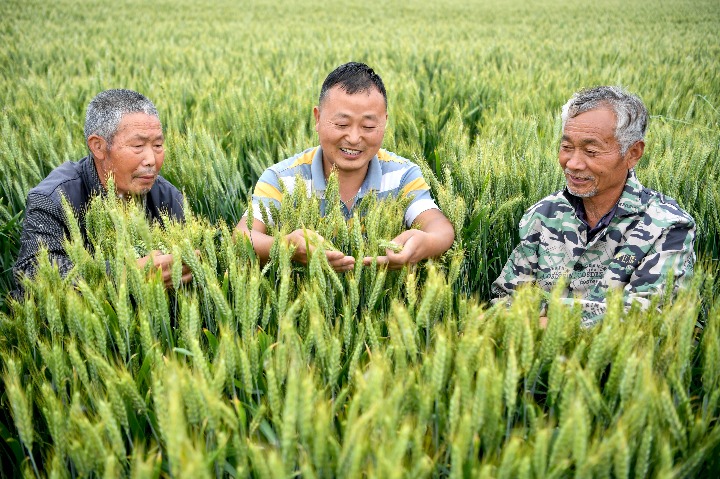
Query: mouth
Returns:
{"type": "Point", "coordinates": [578, 180]}
{"type": "Point", "coordinates": [350, 153]}
{"type": "Point", "coordinates": [146, 177]}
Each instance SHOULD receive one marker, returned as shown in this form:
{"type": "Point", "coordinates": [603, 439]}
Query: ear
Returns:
{"type": "Point", "coordinates": [634, 153]}
{"type": "Point", "coordinates": [316, 114]}
{"type": "Point", "coordinates": [98, 146]}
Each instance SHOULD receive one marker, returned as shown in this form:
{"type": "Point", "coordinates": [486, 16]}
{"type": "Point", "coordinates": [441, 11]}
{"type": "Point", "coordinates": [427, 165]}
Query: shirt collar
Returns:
{"type": "Point", "coordinates": [631, 199]}
{"type": "Point", "coordinates": [372, 180]}
{"type": "Point", "coordinates": [93, 179]}
{"type": "Point", "coordinates": [634, 197]}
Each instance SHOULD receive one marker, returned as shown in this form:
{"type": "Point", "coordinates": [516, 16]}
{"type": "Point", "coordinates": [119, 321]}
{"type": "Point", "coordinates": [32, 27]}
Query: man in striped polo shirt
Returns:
{"type": "Point", "coordinates": [350, 120]}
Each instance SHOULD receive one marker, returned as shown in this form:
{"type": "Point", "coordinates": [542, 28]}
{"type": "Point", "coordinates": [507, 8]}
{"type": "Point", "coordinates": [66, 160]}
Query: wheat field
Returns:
{"type": "Point", "coordinates": [282, 370]}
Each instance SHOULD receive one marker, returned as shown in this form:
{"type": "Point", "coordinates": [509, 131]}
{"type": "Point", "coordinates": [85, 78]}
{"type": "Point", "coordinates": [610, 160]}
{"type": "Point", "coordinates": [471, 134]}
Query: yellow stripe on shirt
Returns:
{"type": "Point", "coordinates": [265, 190]}
{"type": "Point", "coordinates": [384, 155]}
{"type": "Point", "coordinates": [305, 159]}
{"type": "Point", "coordinates": [414, 185]}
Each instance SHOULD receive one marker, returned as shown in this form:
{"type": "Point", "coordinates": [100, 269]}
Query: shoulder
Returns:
{"type": "Point", "coordinates": [389, 157]}
{"type": "Point", "coordinates": [65, 179]}
{"type": "Point", "coordinates": [165, 188]}
{"type": "Point", "coordinates": [390, 163]}
{"type": "Point", "coordinates": [664, 211]}
{"type": "Point", "coordinates": [399, 173]}
{"type": "Point", "coordinates": [165, 197]}
{"type": "Point", "coordinates": [550, 207]}
{"type": "Point", "coordinates": [299, 163]}
{"type": "Point", "coordinates": [554, 213]}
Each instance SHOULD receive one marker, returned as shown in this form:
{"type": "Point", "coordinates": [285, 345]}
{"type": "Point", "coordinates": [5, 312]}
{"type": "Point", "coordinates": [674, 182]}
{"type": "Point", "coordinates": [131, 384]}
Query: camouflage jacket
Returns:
{"type": "Point", "coordinates": [649, 237]}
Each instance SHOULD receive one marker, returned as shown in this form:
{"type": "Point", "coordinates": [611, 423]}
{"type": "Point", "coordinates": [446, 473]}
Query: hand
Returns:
{"type": "Point", "coordinates": [306, 241]}
{"type": "Point", "coordinates": [414, 244]}
{"type": "Point", "coordinates": [543, 322]}
{"type": "Point", "coordinates": [164, 262]}
{"type": "Point", "coordinates": [433, 237]}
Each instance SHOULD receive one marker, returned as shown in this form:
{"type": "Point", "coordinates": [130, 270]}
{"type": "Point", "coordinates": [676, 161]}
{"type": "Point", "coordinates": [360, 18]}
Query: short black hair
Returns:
{"type": "Point", "coordinates": [353, 77]}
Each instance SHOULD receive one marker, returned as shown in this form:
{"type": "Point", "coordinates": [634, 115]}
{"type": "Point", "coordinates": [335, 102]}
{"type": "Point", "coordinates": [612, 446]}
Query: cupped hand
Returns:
{"type": "Point", "coordinates": [306, 241]}
{"type": "Point", "coordinates": [163, 262]}
{"type": "Point", "coordinates": [414, 244]}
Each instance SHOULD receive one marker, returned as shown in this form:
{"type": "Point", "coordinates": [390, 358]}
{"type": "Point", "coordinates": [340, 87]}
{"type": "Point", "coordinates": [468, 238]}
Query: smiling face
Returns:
{"type": "Point", "coordinates": [351, 129]}
{"type": "Point", "coordinates": [590, 156]}
{"type": "Point", "coordinates": [135, 156]}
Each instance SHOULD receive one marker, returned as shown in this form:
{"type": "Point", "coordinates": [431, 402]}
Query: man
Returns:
{"type": "Point", "coordinates": [125, 139]}
{"type": "Point", "coordinates": [605, 230]}
{"type": "Point", "coordinates": [350, 119]}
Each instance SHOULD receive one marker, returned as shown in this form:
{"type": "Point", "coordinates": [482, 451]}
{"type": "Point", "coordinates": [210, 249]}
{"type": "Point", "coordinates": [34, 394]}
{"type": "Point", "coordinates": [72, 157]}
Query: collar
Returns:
{"type": "Point", "coordinates": [93, 179]}
{"type": "Point", "coordinates": [634, 198]}
{"type": "Point", "coordinates": [372, 180]}
{"type": "Point", "coordinates": [91, 176]}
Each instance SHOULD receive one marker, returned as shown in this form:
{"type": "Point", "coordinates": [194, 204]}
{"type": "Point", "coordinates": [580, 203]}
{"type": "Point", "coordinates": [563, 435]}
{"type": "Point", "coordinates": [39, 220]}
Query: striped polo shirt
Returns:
{"type": "Point", "coordinates": [388, 174]}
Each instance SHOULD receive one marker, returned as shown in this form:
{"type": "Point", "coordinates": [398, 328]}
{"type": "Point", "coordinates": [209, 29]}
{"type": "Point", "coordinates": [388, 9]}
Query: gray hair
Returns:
{"type": "Point", "coordinates": [630, 112]}
{"type": "Point", "coordinates": [106, 110]}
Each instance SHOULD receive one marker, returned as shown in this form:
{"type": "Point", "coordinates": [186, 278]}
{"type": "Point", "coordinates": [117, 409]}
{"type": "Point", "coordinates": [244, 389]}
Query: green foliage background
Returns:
{"type": "Point", "coordinates": [474, 89]}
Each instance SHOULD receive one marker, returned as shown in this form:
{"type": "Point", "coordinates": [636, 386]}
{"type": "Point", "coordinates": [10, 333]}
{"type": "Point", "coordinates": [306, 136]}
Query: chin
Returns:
{"type": "Point", "coordinates": [139, 191]}
{"type": "Point", "coordinates": [583, 194]}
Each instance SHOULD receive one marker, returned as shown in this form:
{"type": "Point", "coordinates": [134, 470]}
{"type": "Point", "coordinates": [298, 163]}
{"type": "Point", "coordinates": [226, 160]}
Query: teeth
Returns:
{"type": "Point", "coordinates": [349, 151]}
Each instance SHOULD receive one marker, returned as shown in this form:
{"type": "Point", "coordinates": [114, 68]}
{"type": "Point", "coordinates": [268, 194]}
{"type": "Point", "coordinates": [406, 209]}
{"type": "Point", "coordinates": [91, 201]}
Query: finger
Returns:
{"type": "Point", "coordinates": [311, 234]}
{"type": "Point", "coordinates": [333, 255]}
{"type": "Point", "coordinates": [403, 237]}
{"type": "Point", "coordinates": [342, 268]}
{"type": "Point", "coordinates": [163, 261]}
{"type": "Point", "coordinates": [382, 260]}
{"type": "Point", "coordinates": [343, 263]}
{"type": "Point", "coordinates": [186, 278]}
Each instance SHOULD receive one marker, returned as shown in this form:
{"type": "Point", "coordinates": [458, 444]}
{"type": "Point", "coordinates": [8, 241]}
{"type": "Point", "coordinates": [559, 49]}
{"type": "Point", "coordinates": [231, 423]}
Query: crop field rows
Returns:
{"type": "Point", "coordinates": [283, 370]}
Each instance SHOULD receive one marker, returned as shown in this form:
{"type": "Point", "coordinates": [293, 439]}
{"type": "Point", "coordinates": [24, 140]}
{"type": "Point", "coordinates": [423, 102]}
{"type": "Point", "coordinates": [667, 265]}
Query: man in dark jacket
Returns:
{"type": "Point", "coordinates": [125, 139]}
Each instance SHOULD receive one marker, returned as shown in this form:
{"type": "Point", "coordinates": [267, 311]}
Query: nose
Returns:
{"type": "Point", "coordinates": [353, 135]}
{"type": "Point", "coordinates": [148, 157]}
{"type": "Point", "coordinates": [575, 160]}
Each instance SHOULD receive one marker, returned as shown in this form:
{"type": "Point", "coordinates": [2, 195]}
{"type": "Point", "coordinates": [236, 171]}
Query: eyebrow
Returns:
{"type": "Point", "coordinates": [584, 141]}
{"type": "Point", "coordinates": [345, 116]}
{"type": "Point", "coordinates": [139, 136]}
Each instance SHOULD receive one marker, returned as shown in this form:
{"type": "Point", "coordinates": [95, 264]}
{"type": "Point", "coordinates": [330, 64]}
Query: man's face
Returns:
{"type": "Point", "coordinates": [351, 129]}
{"type": "Point", "coordinates": [135, 156]}
{"type": "Point", "coordinates": [590, 156]}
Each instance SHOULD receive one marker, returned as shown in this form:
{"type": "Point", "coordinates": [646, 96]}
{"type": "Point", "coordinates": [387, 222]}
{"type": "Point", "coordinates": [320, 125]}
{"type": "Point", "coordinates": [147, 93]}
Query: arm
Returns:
{"type": "Point", "coordinates": [262, 242]}
{"type": "Point", "coordinates": [44, 225]}
{"type": "Point", "coordinates": [434, 236]}
{"type": "Point", "coordinates": [670, 255]}
{"type": "Point", "coordinates": [522, 263]}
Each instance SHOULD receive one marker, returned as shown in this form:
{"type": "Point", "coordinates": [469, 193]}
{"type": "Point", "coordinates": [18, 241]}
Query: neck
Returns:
{"type": "Point", "coordinates": [596, 208]}
{"type": "Point", "coordinates": [349, 182]}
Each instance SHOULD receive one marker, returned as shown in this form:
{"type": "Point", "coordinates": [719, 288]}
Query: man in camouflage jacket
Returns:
{"type": "Point", "coordinates": [604, 230]}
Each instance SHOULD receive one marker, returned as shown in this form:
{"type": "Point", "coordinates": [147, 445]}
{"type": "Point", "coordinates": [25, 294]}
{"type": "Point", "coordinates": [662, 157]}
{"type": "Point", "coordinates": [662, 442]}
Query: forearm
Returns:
{"type": "Point", "coordinates": [260, 240]}
{"type": "Point", "coordinates": [441, 236]}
